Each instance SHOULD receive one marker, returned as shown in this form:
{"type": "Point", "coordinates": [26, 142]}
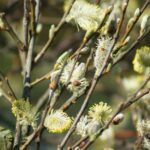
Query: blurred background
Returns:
{"type": "Point", "coordinates": [111, 89]}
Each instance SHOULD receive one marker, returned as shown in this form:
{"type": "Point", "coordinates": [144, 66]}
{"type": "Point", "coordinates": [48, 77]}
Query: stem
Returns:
{"type": "Point", "coordinates": [136, 19]}
{"type": "Point", "coordinates": [123, 54]}
{"type": "Point", "coordinates": [45, 77]}
{"type": "Point", "coordinates": [20, 45]}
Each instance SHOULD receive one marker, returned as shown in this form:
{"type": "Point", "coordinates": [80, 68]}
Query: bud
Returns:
{"type": "Point", "coordinates": [76, 83]}
{"type": "Point", "coordinates": [61, 60]}
{"type": "Point", "coordinates": [118, 119]}
{"type": "Point", "coordinates": [126, 40]}
{"type": "Point", "coordinates": [53, 85]}
{"type": "Point", "coordinates": [84, 50]}
{"type": "Point", "coordinates": [130, 23]}
{"type": "Point", "coordinates": [118, 20]}
{"type": "Point", "coordinates": [109, 9]}
{"type": "Point", "coordinates": [144, 21]}
{"type": "Point", "coordinates": [1, 94]}
{"type": "Point", "coordinates": [124, 5]}
{"type": "Point", "coordinates": [137, 12]}
{"type": "Point", "coordinates": [39, 28]}
{"type": "Point", "coordinates": [2, 25]}
{"type": "Point", "coordinates": [51, 31]}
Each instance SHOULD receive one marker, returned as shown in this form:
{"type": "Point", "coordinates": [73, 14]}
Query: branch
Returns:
{"type": "Point", "coordinates": [38, 80]}
{"type": "Point", "coordinates": [26, 22]}
{"type": "Point", "coordinates": [50, 40]}
{"type": "Point", "coordinates": [123, 54]}
{"type": "Point", "coordinates": [6, 88]}
{"type": "Point", "coordinates": [20, 45]}
{"type": "Point", "coordinates": [27, 69]}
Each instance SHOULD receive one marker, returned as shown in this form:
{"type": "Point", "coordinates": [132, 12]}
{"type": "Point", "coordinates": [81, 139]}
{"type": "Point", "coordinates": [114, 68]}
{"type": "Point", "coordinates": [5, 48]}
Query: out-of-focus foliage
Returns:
{"type": "Point", "coordinates": [25, 113]}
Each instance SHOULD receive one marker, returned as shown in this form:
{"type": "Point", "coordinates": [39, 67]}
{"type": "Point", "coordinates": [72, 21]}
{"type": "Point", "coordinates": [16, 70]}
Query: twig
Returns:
{"type": "Point", "coordinates": [26, 89]}
{"type": "Point", "coordinates": [136, 19]}
{"type": "Point", "coordinates": [44, 77]}
{"type": "Point", "coordinates": [17, 137]}
{"type": "Point", "coordinates": [10, 95]}
{"type": "Point", "coordinates": [50, 40]}
{"type": "Point", "coordinates": [68, 103]}
{"type": "Point", "coordinates": [20, 45]}
{"type": "Point", "coordinates": [131, 48]}
{"type": "Point", "coordinates": [26, 22]}
{"type": "Point", "coordinates": [42, 100]}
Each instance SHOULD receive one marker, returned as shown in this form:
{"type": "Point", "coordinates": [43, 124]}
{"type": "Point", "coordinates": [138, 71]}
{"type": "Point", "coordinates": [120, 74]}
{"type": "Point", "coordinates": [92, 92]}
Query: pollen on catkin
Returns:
{"type": "Point", "coordinates": [25, 113]}
{"type": "Point", "coordinates": [100, 112]}
{"type": "Point", "coordinates": [57, 121]}
{"type": "Point", "coordinates": [103, 46]}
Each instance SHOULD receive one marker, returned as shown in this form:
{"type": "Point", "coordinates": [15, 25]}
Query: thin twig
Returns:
{"type": "Point", "coordinates": [26, 22]}
{"type": "Point", "coordinates": [6, 88]}
{"type": "Point", "coordinates": [136, 19]}
{"type": "Point", "coordinates": [123, 54]}
{"type": "Point", "coordinates": [19, 43]}
{"type": "Point", "coordinates": [27, 74]}
{"type": "Point", "coordinates": [17, 137]}
{"type": "Point", "coordinates": [50, 40]}
{"type": "Point", "coordinates": [38, 80]}
{"type": "Point", "coordinates": [42, 100]}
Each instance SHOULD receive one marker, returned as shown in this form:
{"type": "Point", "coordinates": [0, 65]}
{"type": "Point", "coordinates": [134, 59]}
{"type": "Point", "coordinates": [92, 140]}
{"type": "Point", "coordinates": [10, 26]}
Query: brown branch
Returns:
{"type": "Point", "coordinates": [6, 88]}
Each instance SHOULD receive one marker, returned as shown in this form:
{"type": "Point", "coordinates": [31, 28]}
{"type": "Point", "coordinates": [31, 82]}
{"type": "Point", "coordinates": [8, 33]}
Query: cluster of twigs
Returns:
{"type": "Point", "coordinates": [26, 49]}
